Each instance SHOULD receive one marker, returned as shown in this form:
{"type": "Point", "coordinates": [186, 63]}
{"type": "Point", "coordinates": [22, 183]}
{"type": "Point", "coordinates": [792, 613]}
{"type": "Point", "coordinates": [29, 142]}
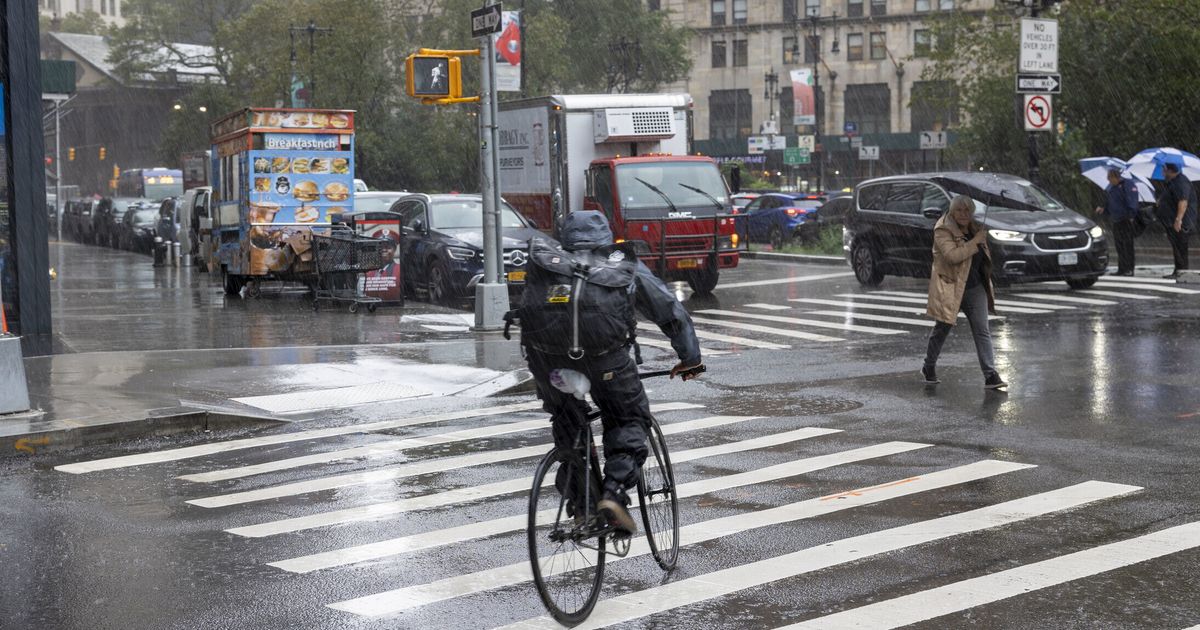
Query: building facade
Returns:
{"type": "Point", "coordinates": [868, 57]}
{"type": "Point", "coordinates": [109, 10]}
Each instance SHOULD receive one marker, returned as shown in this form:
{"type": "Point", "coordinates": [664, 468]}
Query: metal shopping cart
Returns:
{"type": "Point", "coordinates": [339, 258]}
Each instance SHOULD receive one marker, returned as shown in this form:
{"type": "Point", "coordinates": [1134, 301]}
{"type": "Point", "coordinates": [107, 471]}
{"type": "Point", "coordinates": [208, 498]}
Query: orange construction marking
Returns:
{"type": "Point", "coordinates": [859, 493]}
{"type": "Point", "coordinates": [24, 444]}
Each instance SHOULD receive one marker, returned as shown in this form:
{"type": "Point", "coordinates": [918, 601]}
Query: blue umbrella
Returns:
{"type": "Point", "coordinates": [1149, 163]}
{"type": "Point", "coordinates": [1096, 169]}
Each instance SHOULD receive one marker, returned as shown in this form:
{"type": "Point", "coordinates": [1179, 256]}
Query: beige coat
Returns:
{"type": "Point", "coordinates": [951, 265]}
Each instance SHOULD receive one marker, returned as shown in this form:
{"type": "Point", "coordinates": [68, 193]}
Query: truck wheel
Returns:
{"type": "Point", "coordinates": [704, 281]}
{"type": "Point", "coordinates": [866, 265]}
{"type": "Point", "coordinates": [233, 284]}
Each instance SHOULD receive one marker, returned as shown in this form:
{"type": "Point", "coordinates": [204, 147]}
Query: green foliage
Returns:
{"type": "Point", "coordinates": [85, 23]}
{"type": "Point", "coordinates": [827, 243]}
{"type": "Point", "coordinates": [1128, 83]}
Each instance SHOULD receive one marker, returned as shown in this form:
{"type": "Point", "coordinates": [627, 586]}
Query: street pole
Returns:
{"type": "Point", "coordinates": [1034, 174]}
{"type": "Point", "coordinates": [491, 296]}
{"type": "Point", "coordinates": [58, 200]}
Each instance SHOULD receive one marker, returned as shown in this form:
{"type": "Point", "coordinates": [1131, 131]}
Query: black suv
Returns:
{"type": "Point", "coordinates": [1033, 237]}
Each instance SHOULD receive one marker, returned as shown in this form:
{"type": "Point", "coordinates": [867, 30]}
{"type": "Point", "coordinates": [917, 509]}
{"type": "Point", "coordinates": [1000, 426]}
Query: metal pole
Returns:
{"type": "Point", "coordinates": [58, 200]}
{"type": "Point", "coordinates": [494, 142]}
{"type": "Point", "coordinates": [491, 297]}
{"type": "Point", "coordinates": [1033, 147]}
{"type": "Point", "coordinates": [818, 110]}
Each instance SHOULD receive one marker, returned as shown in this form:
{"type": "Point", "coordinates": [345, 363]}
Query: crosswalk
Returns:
{"type": "Point", "coordinates": [787, 475]}
{"type": "Point", "coordinates": [883, 313]}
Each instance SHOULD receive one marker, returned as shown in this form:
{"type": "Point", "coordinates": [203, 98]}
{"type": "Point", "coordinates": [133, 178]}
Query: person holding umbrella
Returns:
{"type": "Point", "coordinates": [1177, 212]}
{"type": "Point", "coordinates": [1121, 206]}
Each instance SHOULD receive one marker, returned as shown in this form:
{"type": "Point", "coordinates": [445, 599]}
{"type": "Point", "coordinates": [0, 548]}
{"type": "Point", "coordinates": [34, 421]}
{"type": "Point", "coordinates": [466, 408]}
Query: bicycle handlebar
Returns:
{"type": "Point", "coordinates": [697, 370]}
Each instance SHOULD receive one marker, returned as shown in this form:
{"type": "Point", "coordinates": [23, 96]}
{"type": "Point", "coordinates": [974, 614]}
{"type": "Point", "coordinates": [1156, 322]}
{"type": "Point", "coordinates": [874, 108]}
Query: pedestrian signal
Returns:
{"type": "Point", "coordinates": [433, 76]}
{"type": "Point", "coordinates": [71, 154]}
{"type": "Point", "coordinates": [103, 153]}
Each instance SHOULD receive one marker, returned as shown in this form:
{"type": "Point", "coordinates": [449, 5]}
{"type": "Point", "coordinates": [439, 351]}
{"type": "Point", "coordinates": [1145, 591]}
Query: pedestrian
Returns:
{"type": "Point", "coordinates": [1177, 213]}
{"type": "Point", "coordinates": [591, 343]}
{"type": "Point", "coordinates": [961, 281]}
{"type": "Point", "coordinates": [1121, 206]}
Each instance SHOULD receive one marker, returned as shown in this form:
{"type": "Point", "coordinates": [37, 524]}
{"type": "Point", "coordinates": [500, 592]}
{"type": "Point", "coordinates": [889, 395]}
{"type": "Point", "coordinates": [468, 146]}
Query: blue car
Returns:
{"type": "Point", "coordinates": [780, 218]}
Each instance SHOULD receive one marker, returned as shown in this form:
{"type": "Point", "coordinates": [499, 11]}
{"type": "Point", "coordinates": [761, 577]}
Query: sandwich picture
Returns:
{"type": "Point", "coordinates": [262, 184]}
{"type": "Point", "coordinates": [262, 165]}
{"type": "Point", "coordinates": [306, 191]}
{"type": "Point", "coordinates": [300, 165]}
{"type": "Point", "coordinates": [339, 121]}
{"type": "Point", "coordinates": [280, 165]}
{"type": "Point", "coordinates": [320, 120]}
{"type": "Point", "coordinates": [341, 166]}
{"type": "Point", "coordinates": [318, 165]}
{"type": "Point", "coordinates": [307, 214]}
{"type": "Point", "coordinates": [337, 191]}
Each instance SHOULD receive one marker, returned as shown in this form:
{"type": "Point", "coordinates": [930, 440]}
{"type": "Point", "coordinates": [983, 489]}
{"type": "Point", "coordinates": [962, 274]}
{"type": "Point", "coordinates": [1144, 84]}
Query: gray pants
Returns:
{"type": "Point", "coordinates": [975, 306]}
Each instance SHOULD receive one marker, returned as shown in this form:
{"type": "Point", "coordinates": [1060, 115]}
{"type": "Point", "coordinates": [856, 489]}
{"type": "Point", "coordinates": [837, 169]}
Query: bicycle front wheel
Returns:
{"type": "Point", "coordinates": [568, 564]}
{"type": "Point", "coordinates": [660, 506]}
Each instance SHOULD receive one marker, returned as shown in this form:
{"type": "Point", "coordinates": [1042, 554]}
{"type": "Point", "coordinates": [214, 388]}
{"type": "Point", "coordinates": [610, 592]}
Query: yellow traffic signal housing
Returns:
{"type": "Point", "coordinates": [433, 76]}
{"type": "Point", "coordinates": [116, 172]}
{"type": "Point", "coordinates": [103, 153]}
{"type": "Point", "coordinates": [71, 154]}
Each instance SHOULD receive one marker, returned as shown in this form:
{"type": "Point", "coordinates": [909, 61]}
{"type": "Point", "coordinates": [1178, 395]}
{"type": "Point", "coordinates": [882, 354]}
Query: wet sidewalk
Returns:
{"type": "Point", "coordinates": [139, 350]}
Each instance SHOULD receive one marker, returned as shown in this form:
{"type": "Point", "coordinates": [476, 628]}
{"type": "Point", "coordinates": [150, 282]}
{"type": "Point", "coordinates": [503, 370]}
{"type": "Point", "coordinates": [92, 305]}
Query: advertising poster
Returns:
{"type": "Point", "coordinates": [804, 102]}
{"type": "Point", "coordinates": [524, 151]}
{"type": "Point", "coordinates": [508, 53]}
{"type": "Point", "coordinates": [383, 283]}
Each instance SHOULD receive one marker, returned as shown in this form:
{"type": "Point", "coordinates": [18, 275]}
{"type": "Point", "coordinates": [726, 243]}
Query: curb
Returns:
{"type": "Point", "coordinates": [796, 258]}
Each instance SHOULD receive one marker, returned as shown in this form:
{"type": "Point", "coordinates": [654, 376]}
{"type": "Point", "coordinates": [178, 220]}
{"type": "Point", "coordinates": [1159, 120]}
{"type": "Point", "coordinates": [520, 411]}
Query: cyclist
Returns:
{"type": "Point", "coordinates": [615, 386]}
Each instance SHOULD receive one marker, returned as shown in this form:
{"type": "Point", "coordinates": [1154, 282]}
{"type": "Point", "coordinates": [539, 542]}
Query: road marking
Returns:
{"type": "Point", "coordinates": [1046, 295]}
{"type": "Point", "coordinates": [333, 398]}
{"type": "Point", "coordinates": [986, 589]}
{"type": "Point", "coordinates": [913, 300]}
{"type": "Point", "coordinates": [999, 302]}
{"type": "Point", "coordinates": [704, 334]}
{"type": "Point", "coordinates": [202, 450]}
{"type": "Point", "coordinates": [481, 529]}
{"type": "Point", "coordinates": [768, 307]}
{"type": "Point", "coordinates": [472, 493]}
{"type": "Point", "coordinates": [795, 334]}
{"type": "Point", "coordinates": [387, 448]}
{"type": "Point", "coordinates": [1140, 279]}
{"type": "Point", "coordinates": [760, 283]}
{"type": "Point", "coordinates": [1056, 290]}
{"type": "Point", "coordinates": [397, 600]}
{"type": "Point", "coordinates": [911, 310]}
{"type": "Point", "coordinates": [704, 587]}
{"type": "Point", "coordinates": [849, 315]}
{"type": "Point", "coordinates": [666, 345]}
{"type": "Point", "coordinates": [1145, 287]}
{"type": "Point", "coordinates": [804, 322]}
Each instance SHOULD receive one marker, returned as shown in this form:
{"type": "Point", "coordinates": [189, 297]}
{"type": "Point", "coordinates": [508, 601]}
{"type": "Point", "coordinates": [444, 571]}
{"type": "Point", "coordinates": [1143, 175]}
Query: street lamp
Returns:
{"type": "Point", "coordinates": [313, 30]}
{"type": "Point", "coordinates": [815, 21]}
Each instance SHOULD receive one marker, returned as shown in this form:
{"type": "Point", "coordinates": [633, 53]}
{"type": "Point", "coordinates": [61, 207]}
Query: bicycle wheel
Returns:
{"type": "Point", "coordinates": [660, 506]}
{"type": "Point", "coordinates": [567, 562]}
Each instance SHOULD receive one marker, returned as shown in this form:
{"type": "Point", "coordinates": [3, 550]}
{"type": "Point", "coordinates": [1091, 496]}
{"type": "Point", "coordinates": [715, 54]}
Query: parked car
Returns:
{"type": "Point", "coordinates": [107, 219]}
{"type": "Point", "coordinates": [442, 245]}
{"type": "Point", "coordinates": [136, 233]}
{"type": "Point", "coordinates": [376, 200]}
{"type": "Point", "coordinates": [1032, 236]}
{"type": "Point", "coordinates": [741, 200]}
{"type": "Point", "coordinates": [780, 218]}
{"type": "Point", "coordinates": [78, 220]}
{"type": "Point", "coordinates": [833, 211]}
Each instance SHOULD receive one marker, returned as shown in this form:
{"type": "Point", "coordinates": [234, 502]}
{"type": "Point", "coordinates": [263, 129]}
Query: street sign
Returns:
{"type": "Point", "coordinates": [1039, 45]}
{"type": "Point", "coordinates": [1039, 83]}
{"type": "Point", "coordinates": [855, 142]}
{"type": "Point", "coordinates": [486, 20]}
{"type": "Point", "coordinates": [868, 152]}
{"type": "Point", "coordinates": [933, 139]}
{"type": "Point", "coordinates": [850, 128]}
{"type": "Point", "coordinates": [797, 155]}
{"type": "Point", "coordinates": [1038, 112]}
{"type": "Point", "coordinates": [807, 142]}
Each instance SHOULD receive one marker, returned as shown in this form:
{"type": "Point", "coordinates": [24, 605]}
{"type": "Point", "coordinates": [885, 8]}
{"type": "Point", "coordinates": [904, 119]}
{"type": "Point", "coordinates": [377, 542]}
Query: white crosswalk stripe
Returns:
{"type": "Point", "coordinates": [666, 345]}
{"type": "Point", "coordinates": [741, 341]}
{"type": "Point", "coordinates": [797, 321]}
{"type": "Point", "coordinates": [1116, 283]}
{"type": "Point", "coordinates": [768, 307]}
{"type": "Point", "coordinates": [1046, 295]}
{"type": "Point", "coordinates": [793, 280]}
{"type": "Point", "coordinates": [920, 300]}
{"type": "Point", "coordinates": [377, 510]}
{"type": "Point", "coordinates": [854, 306]}
{"type": "Point", "coordinates": [779, 332]}
{"type": "Point", "coordinates": [639, 604]}
{"type": "Point", "coordinates": [851, 316]}
{"type": "Point", "coordinates": [999, 302]}
{"type": "Point", "coordinates": [422, 594]}
{"type": "Point", "coordinates": [1112, 294]}
{"type": "Point", "coordinates": [471, 531]}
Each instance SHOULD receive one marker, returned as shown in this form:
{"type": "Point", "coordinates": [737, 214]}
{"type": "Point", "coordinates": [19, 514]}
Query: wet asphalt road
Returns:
{"type": "Point", "coordinates": [1100, 392]}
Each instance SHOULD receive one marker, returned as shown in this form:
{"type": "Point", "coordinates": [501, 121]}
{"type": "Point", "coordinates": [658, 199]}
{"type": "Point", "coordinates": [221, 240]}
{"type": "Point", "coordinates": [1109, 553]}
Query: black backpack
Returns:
{"type": "Point", "coordinates": [578, 303]}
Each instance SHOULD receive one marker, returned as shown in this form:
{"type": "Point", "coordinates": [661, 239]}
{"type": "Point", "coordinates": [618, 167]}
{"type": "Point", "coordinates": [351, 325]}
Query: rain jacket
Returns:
{"type": "Point", "coordinates": [951, 264]}
{"type": "Point", "coordinates": [1121, 201]}
{"type": "Point", "coordinates": [588, 229]}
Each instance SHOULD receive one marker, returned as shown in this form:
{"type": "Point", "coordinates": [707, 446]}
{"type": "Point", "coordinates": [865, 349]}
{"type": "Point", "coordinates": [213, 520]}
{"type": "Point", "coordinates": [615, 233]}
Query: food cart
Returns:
{"type": "Point", "coordinates": [278, 174]}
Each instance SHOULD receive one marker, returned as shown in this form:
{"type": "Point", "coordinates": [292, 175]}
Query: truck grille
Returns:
{"type": "Point", "coordinates": [1061, 240]}
{"type": "Point", "coordinates": [682, 245]}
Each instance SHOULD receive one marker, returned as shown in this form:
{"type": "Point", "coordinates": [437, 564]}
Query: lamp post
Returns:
{"type": "Point", "coordinates": [312, 29]}
{"type": "Point", "coordinates": [815, 21]}
{"type": "Point", "coordinates": [771, 127]}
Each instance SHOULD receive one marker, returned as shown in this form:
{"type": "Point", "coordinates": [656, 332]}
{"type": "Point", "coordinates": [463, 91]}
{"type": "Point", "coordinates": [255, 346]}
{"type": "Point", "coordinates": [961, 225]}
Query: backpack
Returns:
{"type": "Point", "coordinates": [578, 303]}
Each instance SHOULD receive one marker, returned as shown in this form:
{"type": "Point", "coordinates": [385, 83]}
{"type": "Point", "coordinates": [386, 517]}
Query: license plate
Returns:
{"type": "Point", "coordinates": [516, 276]}
{"type": "Point", "coordinates": [1068, 259]}
{"type": "Point", "coordinates": [688, 263]}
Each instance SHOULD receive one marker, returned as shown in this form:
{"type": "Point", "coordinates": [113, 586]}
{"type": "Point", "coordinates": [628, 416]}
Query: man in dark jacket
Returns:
{"type": "Point", "coordinates": [615, 386]}
{"type": "Point", "coordinates": [1121, 206]}
{"type": "Point", "coordinates": [1177, 212]}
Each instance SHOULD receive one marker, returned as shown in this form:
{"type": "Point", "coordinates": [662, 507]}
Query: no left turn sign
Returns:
{"type": "Point", "coordinates": [1038, 112]}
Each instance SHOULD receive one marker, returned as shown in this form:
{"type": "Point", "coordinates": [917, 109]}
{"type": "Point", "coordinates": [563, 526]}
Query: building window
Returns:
{"type": "Point", "coordinates": [718, 53]}
{"type": "Point", "coordinates": [654, 5]}
{"type": "Point", "coordinates": [854, 8]}
{"type": "Point", "coordinates": [922, 42]}
{"type": "Point", "coordinates": [103, 7]}
{"type": "Point", "coordinates": [812, 49]}
{"type": "Point", "coordinates": [789, 50]}
{"type": "Point", "coordinates": [741, 52]}
{"type": "Point", "coordinates": [718, 12]}
{"type": "Point", "coordinates": [878, 7]}
{"type": "Point", "coordinates": [854, 47]}
{"type": "Point", "coordinates": [789, 10]}
{"type": "Point", "coordinates": [812, 7]}
{"type": "Point", "coordinates": [729, 114]}
{"type": "Point", "coordinates": [922, 6]}
{"type": "Point", "coordinates": [869, 106]}
{"type": "Point", "coordinates": [878, 46]}
{"type": "Point", "coordinates": [946, 5]}
{"type": "Point", "coordinates": [934, 105]}
{"type": "Point", "coordinates": [739, 11]}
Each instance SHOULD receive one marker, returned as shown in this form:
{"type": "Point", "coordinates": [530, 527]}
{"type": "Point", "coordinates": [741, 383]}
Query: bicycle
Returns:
{"type": "Point", "coordinates": [571, 592]}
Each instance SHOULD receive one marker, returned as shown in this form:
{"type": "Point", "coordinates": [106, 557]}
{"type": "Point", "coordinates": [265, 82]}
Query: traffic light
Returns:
{"type": "Point", "coordinates": [433, 76]}
{"type": "Point", "coordinates": [71, 154]}
{"type": "Point", "coordinates": [116, 172]}
{"type": "Point", "coordinates": [103, 153]}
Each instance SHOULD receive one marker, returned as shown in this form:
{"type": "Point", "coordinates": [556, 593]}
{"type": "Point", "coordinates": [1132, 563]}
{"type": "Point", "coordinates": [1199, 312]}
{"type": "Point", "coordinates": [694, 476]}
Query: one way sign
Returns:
{"type": "Point", "coordinates": [1039, 83]}
{"type": "Point", "coordinates": [486, 20]}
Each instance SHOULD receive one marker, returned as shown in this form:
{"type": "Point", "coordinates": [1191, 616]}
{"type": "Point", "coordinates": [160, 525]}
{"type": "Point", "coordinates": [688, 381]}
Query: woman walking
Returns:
{"type": "Point", "coordinates": [961, 281]}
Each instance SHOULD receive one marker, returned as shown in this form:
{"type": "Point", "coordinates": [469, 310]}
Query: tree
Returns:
{"type": "Point", "coordinates": [85, 23]}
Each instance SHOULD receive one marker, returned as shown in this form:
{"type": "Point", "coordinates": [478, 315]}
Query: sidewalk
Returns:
{"type": "Point", "coordinates": [144, 351]}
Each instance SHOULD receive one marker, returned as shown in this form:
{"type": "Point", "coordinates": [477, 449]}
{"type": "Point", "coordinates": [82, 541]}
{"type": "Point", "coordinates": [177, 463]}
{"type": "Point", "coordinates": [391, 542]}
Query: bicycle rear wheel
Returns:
{"type": "Point", "coordinates": [660, 506]}
{"type": "Point", "coordinates": [567, 563]}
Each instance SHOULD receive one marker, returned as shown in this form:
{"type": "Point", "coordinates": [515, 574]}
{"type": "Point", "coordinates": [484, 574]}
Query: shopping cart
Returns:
{"type": "Point", "coordinates": [338, 259]}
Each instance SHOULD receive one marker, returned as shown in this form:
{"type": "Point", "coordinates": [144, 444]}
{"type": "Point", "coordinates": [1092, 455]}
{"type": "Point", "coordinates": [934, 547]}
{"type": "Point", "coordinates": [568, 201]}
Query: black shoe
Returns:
{"type": "Point", "coordinates": [614, 510]}
{"type": "Point", "coordinates": [1123, 273]}
{"type": "Point", "coordinates": [1172, 276]}
{"type": "Point", "coordinates": [994, 381]}
{"type": "Point", "coordinates": [930, 375]}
